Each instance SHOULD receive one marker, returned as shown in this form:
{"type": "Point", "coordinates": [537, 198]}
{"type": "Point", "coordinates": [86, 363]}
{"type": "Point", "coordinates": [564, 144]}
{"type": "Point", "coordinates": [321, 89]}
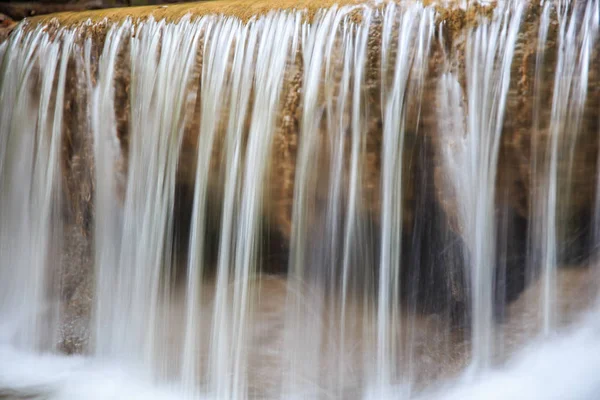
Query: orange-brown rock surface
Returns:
{"type": "Point", "coordinates": [6, 26]}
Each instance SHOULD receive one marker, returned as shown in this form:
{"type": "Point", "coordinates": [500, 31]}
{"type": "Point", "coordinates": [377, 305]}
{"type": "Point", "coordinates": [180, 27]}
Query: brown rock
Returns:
{"type": "Point", "coordinates": [6, 27]}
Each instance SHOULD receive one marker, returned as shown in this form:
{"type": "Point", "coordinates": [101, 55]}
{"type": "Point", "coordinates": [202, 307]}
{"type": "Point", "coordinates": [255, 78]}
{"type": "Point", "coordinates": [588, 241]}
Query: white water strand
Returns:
{"type": "Point", "coordinates": [304, 328]}
{"type": "Point", "coordinates": [30, 132]}
{"type": "Point", "coordinates": [358, 129]}
{"type": "Point", "coordinates": [353, 230]}
{"type": "Point", "coordinates": [415, 31]}
{"type": "Point", "coordinates": [217, 41]}
{"type": "Point", "coordinates": [336, 126]}
{"type": "Point", "coordinates": [162, 56]}
{"type": "Point", "coordinates": [577, 35]}
{"type": "Point", "coordinates": [487, 86]}
{"type": "Point", "coordinates": [300, 355]}
{"type": "Point", "coordinates": [241, 88]}
{"type": "Point", "coordinates": [474, 154]}
{"type": "Point", "coordinates": [108, 229]}
{"type": "Point", "coordinates": [279, 40]}
{"type": "Point", "coordinates": [538, 229]}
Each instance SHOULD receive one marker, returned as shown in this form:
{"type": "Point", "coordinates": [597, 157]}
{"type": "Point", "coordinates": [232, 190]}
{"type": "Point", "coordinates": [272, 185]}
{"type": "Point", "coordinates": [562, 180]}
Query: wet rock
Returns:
{"type": "Point", "coordinates": [6, 27]}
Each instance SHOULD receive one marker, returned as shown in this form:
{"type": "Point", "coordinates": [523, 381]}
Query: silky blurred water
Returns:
{"type": "Point", "coordinates": [360, 155]}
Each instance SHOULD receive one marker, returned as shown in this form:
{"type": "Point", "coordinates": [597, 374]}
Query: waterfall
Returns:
{"type": "Point", "coordinates": [378, 200]}
{"type": "Point", "coordinates": [489, 53]}
{"type": "Point", "coordinates": [32, 110]}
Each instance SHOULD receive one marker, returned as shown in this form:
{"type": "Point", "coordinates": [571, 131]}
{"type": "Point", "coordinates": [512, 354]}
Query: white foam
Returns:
{"type": "Point", "coordinates": [59, 377]}
{"type": "Point", "coordinates": [562, 367]}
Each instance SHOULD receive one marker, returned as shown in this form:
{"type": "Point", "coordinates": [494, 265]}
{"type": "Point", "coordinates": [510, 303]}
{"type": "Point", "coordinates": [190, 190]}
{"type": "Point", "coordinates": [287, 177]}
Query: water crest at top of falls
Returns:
{"type": "Point", "coordinates": [374, 201]}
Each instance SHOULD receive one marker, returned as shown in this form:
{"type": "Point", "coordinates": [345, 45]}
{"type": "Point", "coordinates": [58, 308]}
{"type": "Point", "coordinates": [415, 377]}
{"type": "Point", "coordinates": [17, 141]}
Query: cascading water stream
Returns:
{"type": "Point", "coordinates": [364, 201]}
{"type": "Point", "coordinates": [30, 222]}
{"type": "Point", "coordinates": [570, 90]}
{"type": "Point", "coordinates": [489, 53]}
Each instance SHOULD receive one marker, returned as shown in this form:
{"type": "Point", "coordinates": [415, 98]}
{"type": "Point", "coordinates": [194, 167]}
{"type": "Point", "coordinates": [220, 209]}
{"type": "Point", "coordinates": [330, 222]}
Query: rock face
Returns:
{"type": "Point", "coordinates": [6, 26]}
{"type": "Point", "coordinates": [435, 250]}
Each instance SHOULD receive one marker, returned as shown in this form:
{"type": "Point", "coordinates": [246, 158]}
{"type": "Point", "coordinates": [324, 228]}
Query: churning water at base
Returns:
{"type": "Point", "coordinates": [557, 368]}
{"type": "Point", "coordinates": [377, 201]}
